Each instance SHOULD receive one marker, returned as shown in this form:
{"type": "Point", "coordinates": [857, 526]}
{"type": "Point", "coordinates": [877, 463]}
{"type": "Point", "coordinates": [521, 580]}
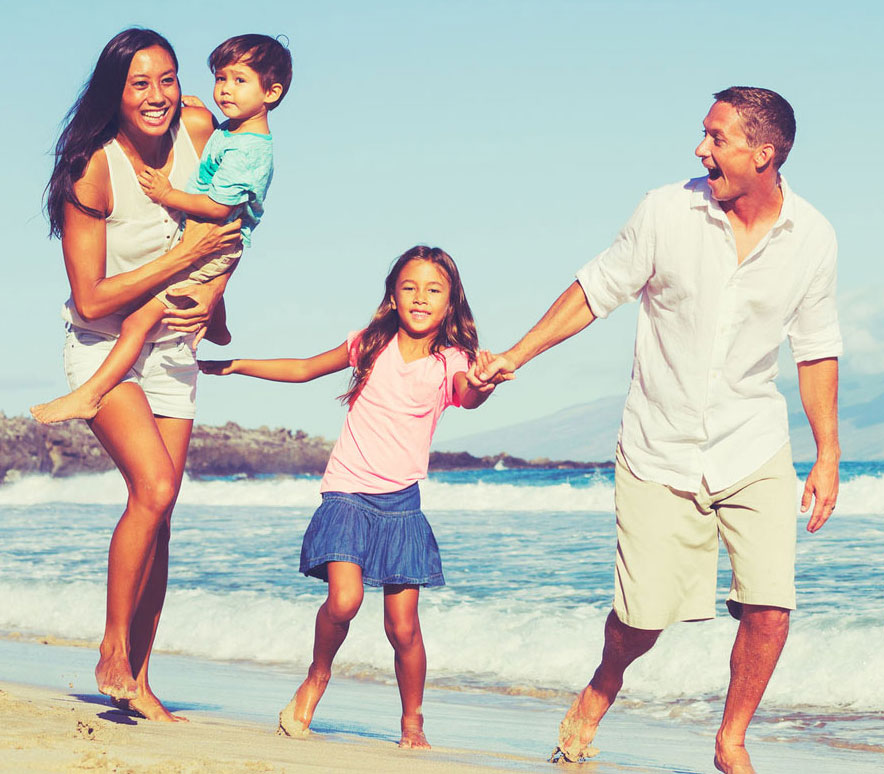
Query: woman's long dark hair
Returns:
{"type": "Point", "coordinates": [93, 120]}
{"type": "Point", "coordinates": [457, 330]}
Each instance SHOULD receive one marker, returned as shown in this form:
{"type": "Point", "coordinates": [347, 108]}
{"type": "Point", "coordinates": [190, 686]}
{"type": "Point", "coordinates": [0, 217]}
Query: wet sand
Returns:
{"type": "Point", "coordinates": [53, 721]}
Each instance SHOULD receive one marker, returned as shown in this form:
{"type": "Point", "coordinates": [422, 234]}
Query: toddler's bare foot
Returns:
{"type": "Point", "coordinates": [149, 707]}
{"type": "Point", "coordinates": [74, 405]}
{"type": "Point", "coordinates": [296, 716]}
{"type": "Point", "coordinates": [577, 731]}
{"type": "Point", "coordinates": [114, 677]}
{"type": "Point", "coordinates": [413, 734]}
{"type": "Point", "coordinates": [732, 757]}
{"type": "Point", "coordinates": [218, 334]}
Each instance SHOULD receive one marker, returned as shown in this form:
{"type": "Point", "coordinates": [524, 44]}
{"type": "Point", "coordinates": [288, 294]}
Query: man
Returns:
{"type": "Point", "coordinates": [725, 266]}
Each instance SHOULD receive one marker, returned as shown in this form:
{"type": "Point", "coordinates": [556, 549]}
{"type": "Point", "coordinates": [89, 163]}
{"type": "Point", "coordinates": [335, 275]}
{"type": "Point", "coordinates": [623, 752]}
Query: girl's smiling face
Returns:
{"type": "Point", "coordinates": [420, 298]}
{"type": "Point", "coordinates": [151, 93]}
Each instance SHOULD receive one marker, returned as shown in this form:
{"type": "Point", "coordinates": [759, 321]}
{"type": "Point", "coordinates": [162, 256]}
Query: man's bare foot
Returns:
{"type": "Point", "coordinates": [74, 405]}
{"type": "Point", "coordinates": [149, 707]}
{"type": "Point", "coordinates": [732, 758]}
{"type": "Point", "coordinates": [578, 729]}
{"type": "Point", "coordinates": [413, 734]}
{"type": "Point", "coordinates": [296, 716]}
{"type": "Point", "coordinates": [114, 677]}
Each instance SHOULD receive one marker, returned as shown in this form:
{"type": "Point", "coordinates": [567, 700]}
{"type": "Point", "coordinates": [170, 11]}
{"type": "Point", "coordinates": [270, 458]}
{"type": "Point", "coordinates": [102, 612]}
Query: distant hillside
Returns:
{"type": "Point", "coordinates": [588, 431]}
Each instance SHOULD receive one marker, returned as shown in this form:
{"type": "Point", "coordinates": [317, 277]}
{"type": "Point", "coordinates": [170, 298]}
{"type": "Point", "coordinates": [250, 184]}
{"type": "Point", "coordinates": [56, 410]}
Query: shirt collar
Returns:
{"type": "Point", "coordinates": [701, 197]}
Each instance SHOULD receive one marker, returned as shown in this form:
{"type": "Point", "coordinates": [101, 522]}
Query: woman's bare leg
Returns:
{"type": "Point", "coordinates": [344, 599]}
{"type": "Point", "coordinates": [176, 437]}
{"type": "Point", "coordinates": [84, 402]}
{"type": "Point", "coordinates": [403, 628]}
{"type": "Point", "coordinates": [128, 430]}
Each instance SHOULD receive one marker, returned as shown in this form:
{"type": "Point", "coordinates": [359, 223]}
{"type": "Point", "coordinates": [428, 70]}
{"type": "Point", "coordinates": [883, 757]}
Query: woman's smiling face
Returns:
{"type": "Point", "coordinates": [151, 93]}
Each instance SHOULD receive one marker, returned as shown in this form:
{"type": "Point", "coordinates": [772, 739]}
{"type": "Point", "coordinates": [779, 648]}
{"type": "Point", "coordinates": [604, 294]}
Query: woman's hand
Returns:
{"type": "Point", "coordinates": [216, 367]}
{"type": "Point", "coordinates": [203, 239]}
{"type": "Point", "coordinates": [202, 299]}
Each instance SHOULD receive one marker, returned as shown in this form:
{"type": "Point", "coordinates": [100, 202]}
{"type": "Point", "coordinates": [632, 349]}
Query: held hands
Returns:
{"type": "Point", "coordinates": [822, 489]}
{"type": "Point", "coordinates": [155, 184]}
{"type": "Point", "coordinates": [216, 367]}
{"type": "Point", "coordinates": [490, 370]}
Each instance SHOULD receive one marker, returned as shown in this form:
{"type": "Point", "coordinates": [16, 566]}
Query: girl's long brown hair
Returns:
{"type": "Point", "coordinates": [457, 330]}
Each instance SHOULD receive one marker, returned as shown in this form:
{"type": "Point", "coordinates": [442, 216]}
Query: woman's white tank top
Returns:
{"type": "Point", "coordinates": [138, 230]}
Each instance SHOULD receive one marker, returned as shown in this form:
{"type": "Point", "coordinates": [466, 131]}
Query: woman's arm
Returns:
{"type": "Point", "coordinates": [283, 369]}
{"type": "Point", "coordinates": [84, 245]}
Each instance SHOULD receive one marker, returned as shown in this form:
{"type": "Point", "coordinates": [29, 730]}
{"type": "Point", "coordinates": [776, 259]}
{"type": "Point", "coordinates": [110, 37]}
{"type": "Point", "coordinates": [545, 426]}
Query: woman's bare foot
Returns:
{"type": "Point", "coordinates": [74, 405]}
{"type": "Point", "coordinates": [296, 716]}
{"type": "Point", "coordinates": [577, 730]}
{"type": "Point", "coordinates": [149, 707]}
{"type": "Point", "coordinates": [114, 677]}
{"type": "Point", "coordinates": [732, 758]}
{"type": "Point", "coordinates": [413, 734]}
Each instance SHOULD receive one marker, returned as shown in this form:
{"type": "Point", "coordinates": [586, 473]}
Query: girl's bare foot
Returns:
{"type": "Point", "coordinates": [296, 716]}
{"type": "Point", "coordinates": [413, 734]}
{"type": "Point", "coordinates": [149, 707]}
{"type": "Point", "coordinates": [74, 405]}
{"type": "Point", "coordinates": [576, 732]}
{"type": "Point", "coordinates": [114, 677]}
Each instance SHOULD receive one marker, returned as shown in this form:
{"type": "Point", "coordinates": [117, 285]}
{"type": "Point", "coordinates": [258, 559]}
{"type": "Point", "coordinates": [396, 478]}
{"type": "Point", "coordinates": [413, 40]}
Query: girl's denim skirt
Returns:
{"type": "Point", "coordinates": [387, 535]}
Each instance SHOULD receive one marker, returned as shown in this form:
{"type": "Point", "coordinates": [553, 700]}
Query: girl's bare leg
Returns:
{"type": "Point", "coordinates": [344, 599]}
{"type": "Point", "coordinates": [84, 402]}
{"type": "Point", "coordinates": [403, 629]}
{"type": "Point", "coordinates": [138, 557]}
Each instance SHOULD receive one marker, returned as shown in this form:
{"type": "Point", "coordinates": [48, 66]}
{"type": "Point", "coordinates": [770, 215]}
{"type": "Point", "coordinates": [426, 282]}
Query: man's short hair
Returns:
{"type": "Point", "coordinates": [265, 55]}
{"type": "Point", "coordinates": [766, 116]}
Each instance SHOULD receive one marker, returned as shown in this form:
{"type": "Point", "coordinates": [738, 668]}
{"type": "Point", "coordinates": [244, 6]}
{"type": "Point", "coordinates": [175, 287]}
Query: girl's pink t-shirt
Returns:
{"type": "Point", "coordinates": [384, 445]}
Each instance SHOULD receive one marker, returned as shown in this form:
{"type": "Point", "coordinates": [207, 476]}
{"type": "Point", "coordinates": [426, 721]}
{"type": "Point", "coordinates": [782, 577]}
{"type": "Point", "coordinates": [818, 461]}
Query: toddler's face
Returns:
{"type": "Point", "coordinates": [238, 92]}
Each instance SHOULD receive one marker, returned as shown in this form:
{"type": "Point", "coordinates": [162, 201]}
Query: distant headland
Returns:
{"type": "Point", "coordinates": [69, 448]}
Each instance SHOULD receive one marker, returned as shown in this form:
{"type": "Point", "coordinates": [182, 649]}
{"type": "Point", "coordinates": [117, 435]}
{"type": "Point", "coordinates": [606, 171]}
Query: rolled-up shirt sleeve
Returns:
{"type": "Point", "coordinates": [814, 332]}
{"type": "Point", "coordinates": [618, 274]}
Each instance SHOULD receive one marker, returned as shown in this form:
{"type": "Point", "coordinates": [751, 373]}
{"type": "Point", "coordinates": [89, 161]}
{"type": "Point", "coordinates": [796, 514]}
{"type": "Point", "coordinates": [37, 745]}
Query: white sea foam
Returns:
{"type": "Point", "coordinates": [863, 495]}
{"type": "Point", "coordinates": [492, 643]}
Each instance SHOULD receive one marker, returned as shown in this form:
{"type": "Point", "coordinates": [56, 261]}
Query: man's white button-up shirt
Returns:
{"type": "Point", "coordinates": [702, 401]}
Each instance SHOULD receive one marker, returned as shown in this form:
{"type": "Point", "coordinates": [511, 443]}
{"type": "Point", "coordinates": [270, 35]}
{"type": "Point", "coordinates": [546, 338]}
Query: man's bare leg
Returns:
{"type": "Point", "coordinates": [84, 402]}
{"type": "Point", "coordinates": [623, 645]}
{"type": "Point", "coordinates": [345, 593]}
{"type": "Point", "coordinates": [759, 642]}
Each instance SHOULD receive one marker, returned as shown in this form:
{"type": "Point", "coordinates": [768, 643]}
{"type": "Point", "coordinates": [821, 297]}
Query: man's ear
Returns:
{"type": "Point", "coordinates": [764, 155]}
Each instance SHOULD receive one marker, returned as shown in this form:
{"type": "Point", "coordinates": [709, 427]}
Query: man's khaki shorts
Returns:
{"type": "Point", "coordinates": [667, 545]}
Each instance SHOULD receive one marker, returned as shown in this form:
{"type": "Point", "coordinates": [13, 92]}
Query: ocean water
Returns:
{"type": "Point", "coordinates": [528, 557]}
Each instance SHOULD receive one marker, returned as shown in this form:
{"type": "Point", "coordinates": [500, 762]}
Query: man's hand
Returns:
{"type": "Point", "coordinates": [821, 489]}
{"type": "Point", "coordinates": [490, 370]}
{"type": "Point", "coordinates": [155, 184]}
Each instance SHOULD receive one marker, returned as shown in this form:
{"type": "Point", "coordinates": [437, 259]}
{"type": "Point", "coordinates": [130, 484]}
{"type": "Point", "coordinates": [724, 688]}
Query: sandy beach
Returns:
{"type": "Point", "coordinates": [52, 721]}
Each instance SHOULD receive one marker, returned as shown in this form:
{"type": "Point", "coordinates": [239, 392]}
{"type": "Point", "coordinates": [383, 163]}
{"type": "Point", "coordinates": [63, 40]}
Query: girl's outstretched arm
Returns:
{"type": "Point", "coordinates": [283, 369]}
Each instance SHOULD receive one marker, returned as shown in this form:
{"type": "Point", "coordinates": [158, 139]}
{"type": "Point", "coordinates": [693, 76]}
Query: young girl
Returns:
{"type": "Point", "coordinates": [409, 365]}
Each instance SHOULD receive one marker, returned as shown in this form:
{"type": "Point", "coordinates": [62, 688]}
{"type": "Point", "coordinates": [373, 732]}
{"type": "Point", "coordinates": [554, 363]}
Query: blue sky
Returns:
{"type": "Point", "coordinates": [519, 136]}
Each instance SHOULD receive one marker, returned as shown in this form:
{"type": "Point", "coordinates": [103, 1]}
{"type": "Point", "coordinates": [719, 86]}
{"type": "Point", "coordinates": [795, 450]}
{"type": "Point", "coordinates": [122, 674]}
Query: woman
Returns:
{"type": "Point", "coordinates": [118, 246]}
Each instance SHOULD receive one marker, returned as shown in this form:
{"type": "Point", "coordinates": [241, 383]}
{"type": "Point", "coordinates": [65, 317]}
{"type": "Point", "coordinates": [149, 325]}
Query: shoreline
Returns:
{"type": "Point", "coordinates": [52, 719]}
